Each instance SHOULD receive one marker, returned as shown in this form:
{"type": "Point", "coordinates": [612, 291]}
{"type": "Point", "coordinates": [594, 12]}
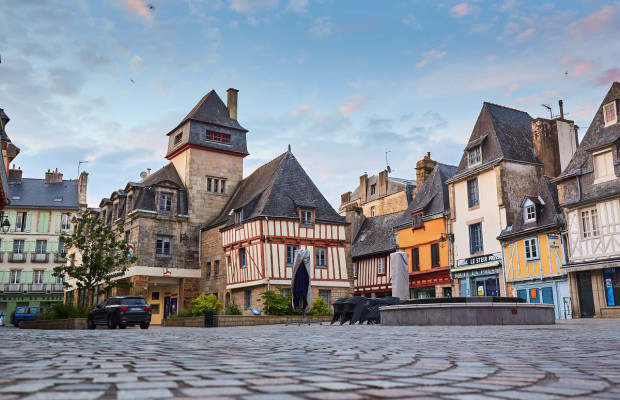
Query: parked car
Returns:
{"type": "Point", "coordinates": [121, 311]}
{"type": "Point", "coordinates": [26, 314]}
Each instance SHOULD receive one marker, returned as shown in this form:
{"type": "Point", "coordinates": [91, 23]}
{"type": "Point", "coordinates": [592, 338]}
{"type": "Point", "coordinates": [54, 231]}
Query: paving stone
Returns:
{"type": "Point", "coordinates": [393, 393]}
{"type": "Point", "coordinates": [143, 394]}
{"type": "Point", "coordinates": [338, 386]}
{"type": "Point", "coordinates": [91, 395]}
{"type": "Point", "coordinates": [147, 385]}
{"type": "Point", "coordinates": [212, 392]}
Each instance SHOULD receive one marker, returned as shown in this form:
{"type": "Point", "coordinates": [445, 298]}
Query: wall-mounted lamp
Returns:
{"type": "Point", "coordinates": [6, 225]}
{"type": "Point", "coordinates": [184, 236]}
{"type": "Point", "coordinates": [445, 237]}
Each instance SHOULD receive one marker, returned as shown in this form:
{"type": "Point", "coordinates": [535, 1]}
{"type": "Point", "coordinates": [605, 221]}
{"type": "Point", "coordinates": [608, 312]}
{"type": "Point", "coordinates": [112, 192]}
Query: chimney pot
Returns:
{"type": "Point", "coordinates": [232, 102]}
{"type": "Point", "coordinates": [561, 109]}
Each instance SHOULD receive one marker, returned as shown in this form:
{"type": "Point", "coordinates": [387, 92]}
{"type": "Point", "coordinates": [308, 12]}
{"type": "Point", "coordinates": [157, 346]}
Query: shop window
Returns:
{"type": "Point", "coordinates": [475, 238]}
{"type": "Point", "coordinates": [381, 266]}
{"type": "Point", "coordinates": [531, 248]}
{"type": "Point", "coordinates": [291, 252]}
{"type": "Point", "coordinates": [415, 259]}
{"type": "Point", "coordinates": [611, 277]}
{"type": "Point", "coordinates": [589, 223]}
{"type": "Point", "coordinates": [320, 257]}
{"type": "Point", "coordinates": [435, 255]}
{"type": "Point", "coordinates": [473, 198]}
{"type": "Point", "coordinates": [474, 156]}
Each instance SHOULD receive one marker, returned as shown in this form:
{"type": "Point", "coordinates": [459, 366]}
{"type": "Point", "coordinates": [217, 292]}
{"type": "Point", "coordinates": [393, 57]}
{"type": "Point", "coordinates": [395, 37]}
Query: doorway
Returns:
{"type": "Point", "coordinates": [488, 286]}
{"type": "Point", "coordinates": [586, 299]}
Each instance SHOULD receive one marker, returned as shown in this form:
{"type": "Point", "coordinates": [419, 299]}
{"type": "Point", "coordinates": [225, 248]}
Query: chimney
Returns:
{"type": "Point", "coordinates": [383, 183]}
{"type": "Point", "coordinates": [53, 177]}
{"type": "Point", "coordinates": [546, 144]}
{"type": "Point", "coordinates": [561, 109]}
{"type": "Point", "coordinates": [232, 102]}
{"type": "Point", "coordinates": [148, 172]}
{"type": "Point", "coordinates": [423, 169]}
{"type": "Point", "coordinates": [82, 184]}
{"type": "Point", "coordinates": [363, 185]}
{"type": "Point", "coordinates": [15, 175]}
{"type": "Point", "coordinates": [345, 198]}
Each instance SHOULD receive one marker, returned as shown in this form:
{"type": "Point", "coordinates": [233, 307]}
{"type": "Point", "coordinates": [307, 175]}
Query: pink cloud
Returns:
{"type": "Point", "coordinates": [353, 105]}
{"type": "Point", "coordinates": [461, 9]}
{"type": "Point", "coordinates": [593, 23]}
{"type": "Point", "coordinates": [138, 7]}
{"type": "Point", "coordinates": [608, 77]}
{"type": "Point", "coordinates": [578, 67]}
{"type": "Point", "coordinates": [299, 110]}
{"type": "Point", "coordinates": [525, 34]}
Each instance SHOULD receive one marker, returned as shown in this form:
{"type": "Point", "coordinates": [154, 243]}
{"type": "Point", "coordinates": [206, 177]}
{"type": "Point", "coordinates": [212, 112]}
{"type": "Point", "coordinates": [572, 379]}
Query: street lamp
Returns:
{"type": "Point", "coordinates": [6, 225]}
{"type": "Point", "coordinates": [445, 237]}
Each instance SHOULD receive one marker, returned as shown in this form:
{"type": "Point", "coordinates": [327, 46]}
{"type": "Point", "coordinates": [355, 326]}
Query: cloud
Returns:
{"type": "Point", "coordinates": [300, 109]}
{"type": "Point", "coordinates": [593, 23]}
{"type": "Point", "coordinates": [300, 6]}
{"type": "Point", "coordinates": [354, 104]}
{"type": "Point", "coordinates": [525, 34]}
{"type": "Point", "coordinates": [322, 27]}
{"type": "Point", "coordinates": [137, 63]}
{"type": "Point", "coordinates": [430, 55]}
{"type": "Point", "coordinates": [462, 9]}
{"type": "Point", "coordinates": [139, 8]}
{"type": "Point", "coordinates": [410, 21]}
{"type": "Point", "coordinates": [578, 66]}
{"type": "Point", "coordinates": [607, 77]}
{"type": "Point", "coordinates": [252, 6]}
{"type": "Point", "coordinates": [509, 5]}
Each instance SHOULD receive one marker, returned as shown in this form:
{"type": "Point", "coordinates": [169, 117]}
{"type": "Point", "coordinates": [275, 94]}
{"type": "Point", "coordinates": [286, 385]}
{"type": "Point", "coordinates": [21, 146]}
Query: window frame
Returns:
{"type": "Point", "coordinates": [373, 189]}
{"type": "Point", "coordinates": [243, 258]}
{"type": "Point", "coordinates": [480, 248]}
{"type": "Point", "coordinates": [475, 154]}
{"type": "Point", "coordinates": [178, 138]}
{"type": "Point", "coordinates": [605, 157]}
{"type": "Point", "coordinates": [165, 200]}
{"type": "Point", "coordinates": [530, 245]}
{"type": "Point", "coordinates": [17, 249]}
{"type": "Point", "coordinates": [303, 217]}
{"type": "Point", "coordinates": [239, 218]}
{"type": "Point", "coordinates": [417, 221]}
{"type": "Point", "coordinates": [415, 259]}
{"type": "Point", "coordinates": [291, 250]}
{"type": "Point", "coordinates": [373, 211]}
{"type": "Point", "coordinates": [216, 268]}
{"type": "Point", "coordinates": [38, 273]}
{"type": "Point", "coordinates": [208, 270]}
{"type": "Point", "coordinates": [320, 257]}
{"type": "Point", "coordinates": [160, 249]}
{"type": "Point", "coordinates": [529, 212]}
{"type": "Point", "coordinates": [614, 110]}
{"type": "Point", "coordinates": [473, 193]}
{"type": "Point", "coordinates": [20, 225]}
{"type": "Point", "coordinates": [15, 276]}
{"type": "Point", "coordinates": [217, 137]}
{"type": "Point", "coordinates": [355, 271]}
{"type": "Point", "coordinates": [40, 245]}
{"type": "Point", "coordinates": [435, 263]}
{"type": "Point", "coordinates": [381, 266]}
{"type": "Point", "coordinates": [591, 219]}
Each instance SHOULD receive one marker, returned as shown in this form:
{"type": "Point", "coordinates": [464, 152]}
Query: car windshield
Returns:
{"type": "Point", "coordinates": [133, 302]}
{"type": "Point", "coordinates": [20, 310]}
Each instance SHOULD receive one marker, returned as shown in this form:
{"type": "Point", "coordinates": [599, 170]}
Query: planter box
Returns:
{"type": "Point", "coordinates": [69, 323]}
{"type": "Point", "coordinates": [243, 320]}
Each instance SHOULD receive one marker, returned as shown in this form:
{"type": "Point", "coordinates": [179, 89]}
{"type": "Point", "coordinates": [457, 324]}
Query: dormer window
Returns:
{"type": "Point", "coordinates": [610, 113]}
{"type": "Point", "coordinates": [165, 202]}
{"type": "Point", "coordinates": [307, 217]}
{"type": "Point", "coordinates": [530, 213]}
{"type": "Point", "coordinates": [238, 218]}
{"type": "Point", "coordinates": [217, 137]}
{"type": "Point", "coordinates": [417, 221]}
{"type": "Point", "coordinates": [178, 138]}
{"type": "Point", "coordinates": [474, 156]}
{"type": "Point", "coordinates": [603, 166]}
{"type": "Point", "coordinates": [373, 189]}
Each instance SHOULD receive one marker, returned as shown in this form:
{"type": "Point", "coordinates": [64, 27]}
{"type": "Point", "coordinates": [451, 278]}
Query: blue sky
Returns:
{"type": "Point", "coordinates": [343, 82]}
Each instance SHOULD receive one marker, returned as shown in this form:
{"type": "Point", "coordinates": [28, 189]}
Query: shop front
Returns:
{"type": "Point", "coordinates": [595, 288]}
{"type": "Point", "coordinates": [10, 301]}
{"type": "Point", "coordinates": [547, 292]}
{"type": "Point", "coordinates": [479, 276]}
{"type": "Point", "coordinates": [429, 284]}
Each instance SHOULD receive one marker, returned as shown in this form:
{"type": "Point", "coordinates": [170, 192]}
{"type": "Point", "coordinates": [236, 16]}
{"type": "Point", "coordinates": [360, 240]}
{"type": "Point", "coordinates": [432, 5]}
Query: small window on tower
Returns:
{"type": "Point", "coordinates": [178, 138]}
{"type": "Point", "coordinates": [218, 137]}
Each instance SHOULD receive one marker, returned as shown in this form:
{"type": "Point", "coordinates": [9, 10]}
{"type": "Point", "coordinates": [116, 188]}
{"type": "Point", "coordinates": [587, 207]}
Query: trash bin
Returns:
{"type": "Point", "coordinates": [209, 318]}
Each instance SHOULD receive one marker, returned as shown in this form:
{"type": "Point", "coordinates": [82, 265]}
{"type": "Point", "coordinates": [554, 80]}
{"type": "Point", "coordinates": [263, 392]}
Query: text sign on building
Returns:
{"type": "Point", "coordinates": [477, 272]}
{"type": "Point", "coordinates": [468, 262]}
{"type": "Point", "coordinates": [554, 242]}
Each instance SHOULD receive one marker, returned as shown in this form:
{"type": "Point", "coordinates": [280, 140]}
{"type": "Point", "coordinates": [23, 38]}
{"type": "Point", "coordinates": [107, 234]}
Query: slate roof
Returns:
{"type": "Point", "coordinates": [276, 190]}
{"type": "Point", "coordinates": [548, 215]}
{"type": "Point", "coordinates": [394, 185]}
{"type": "Point", "coordinates": [597, 136]}
{"type": "Point", "coordinates": [433, 197]}
{"type": "Point", "coordinates": [211, 109]}
{"type": "Point", "coordinates": [504, 133]}
{"type": "Point", "coordinates": [376, 235]}
{"type": "Point", "coordinates": [37, 193]}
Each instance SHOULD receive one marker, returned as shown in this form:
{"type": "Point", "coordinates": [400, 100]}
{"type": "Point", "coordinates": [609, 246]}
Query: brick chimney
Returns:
{"type": "Point", "coordinates": [363, 187]}
{"type": "Point", "coordinates": [383, 183]}
{"type": "Point", "coordinates": [232, 102]}
{"type": "Point", "coordinates": [555, 142]}
{"type": "Point", "coordinates": [423, 169]}
{"type": "Point", "coordinates": [53, 176]}
{"type": "Point", "coordinates": [15, 175]}
{"type": "Point", "coordinates": [345, 198]}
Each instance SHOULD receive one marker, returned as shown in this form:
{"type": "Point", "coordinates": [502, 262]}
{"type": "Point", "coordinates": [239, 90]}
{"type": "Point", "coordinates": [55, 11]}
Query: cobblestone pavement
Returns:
{"type": "Point", "coordinates": [575, 359]}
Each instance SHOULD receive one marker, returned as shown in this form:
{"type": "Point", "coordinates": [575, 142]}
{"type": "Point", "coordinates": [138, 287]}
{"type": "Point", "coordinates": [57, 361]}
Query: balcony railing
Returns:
{"type": "Point", "coordinates": [39, 258]}
{"type": "Point", "coordinates": [36, 287]}
{"type": "Point", "coordinates": [17, 257]}
{"type": "Point", "coordinates": [14, 287]}
{"type": "Point", "coordinates": [57, 287]}
{"type": "Point", "coordinates": [60, 257]}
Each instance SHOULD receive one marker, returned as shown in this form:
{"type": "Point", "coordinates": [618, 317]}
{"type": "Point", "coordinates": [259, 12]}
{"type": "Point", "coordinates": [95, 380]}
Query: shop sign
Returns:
{"type": "Point", "coordinates": [167, 272]}
{"type": "Point", "coordinates": [131, 249]}
{"type": "Point", "coordinates": [554, 242]}
{"type": "Point", "coordinates": [477, 272]}
{"type": "Point", "coordinates": [468, 262]}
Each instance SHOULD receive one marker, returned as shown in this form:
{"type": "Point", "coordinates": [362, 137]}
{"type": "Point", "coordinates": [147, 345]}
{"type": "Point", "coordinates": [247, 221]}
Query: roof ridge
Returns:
{"type": "Point", "coordinates": [508, 108]}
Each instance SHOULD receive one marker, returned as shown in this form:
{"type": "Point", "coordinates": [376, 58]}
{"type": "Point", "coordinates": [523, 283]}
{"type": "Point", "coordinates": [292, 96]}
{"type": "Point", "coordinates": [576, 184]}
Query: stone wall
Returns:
{"type": "Point", "coordinates": [211, 249]}
{"type": "Point", "coordinates": [70, 323]}
{"type": "Point", "coordinates": [222, 321]}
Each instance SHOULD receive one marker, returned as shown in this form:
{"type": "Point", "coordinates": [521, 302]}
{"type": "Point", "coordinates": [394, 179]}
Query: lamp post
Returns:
{"type": "Point", "coordinates": [6, 225]}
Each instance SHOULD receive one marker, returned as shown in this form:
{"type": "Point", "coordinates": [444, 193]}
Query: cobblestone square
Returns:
{"type": "Point", "coordinates": [573, 359]}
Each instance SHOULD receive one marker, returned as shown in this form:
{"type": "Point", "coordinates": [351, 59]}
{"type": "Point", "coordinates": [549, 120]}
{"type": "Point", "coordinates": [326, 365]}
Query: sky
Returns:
{"type": "Point", "coordinates": [345, 83]}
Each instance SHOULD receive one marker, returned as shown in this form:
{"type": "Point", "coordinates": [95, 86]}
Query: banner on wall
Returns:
{"type": "Point", "coordinates": [554, 242]}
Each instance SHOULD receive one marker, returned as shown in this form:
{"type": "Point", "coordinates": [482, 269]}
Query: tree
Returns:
{"type": "Point", "coordinates": [204, 302]}
{"type": "Point", "coordinates": [103, 257]}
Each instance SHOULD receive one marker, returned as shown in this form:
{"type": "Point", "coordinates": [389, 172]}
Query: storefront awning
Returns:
{"type": "Point", "coordinates": [431, 278]}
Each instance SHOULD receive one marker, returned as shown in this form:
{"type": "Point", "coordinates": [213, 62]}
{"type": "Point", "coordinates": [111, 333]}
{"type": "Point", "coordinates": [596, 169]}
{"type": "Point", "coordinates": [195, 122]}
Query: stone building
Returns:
{"type": "Point", "coordinates": [40, 210]}
{"type": "Point", "coordinates": [589, 193]}
{"type": "Point", "coordinates": [272, 213]}
{"type": "Point", "coordinates": [506, 155]}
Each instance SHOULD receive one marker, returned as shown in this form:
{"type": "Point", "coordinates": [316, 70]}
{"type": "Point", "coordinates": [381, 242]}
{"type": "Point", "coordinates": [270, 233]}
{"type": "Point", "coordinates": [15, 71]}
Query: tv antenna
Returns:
{"type": "Point", "coordinates": [388, 169]}
{"type": "Point", "coordinates": [79, 165]}
{"type": "Point", "coordinates": [548, 107]}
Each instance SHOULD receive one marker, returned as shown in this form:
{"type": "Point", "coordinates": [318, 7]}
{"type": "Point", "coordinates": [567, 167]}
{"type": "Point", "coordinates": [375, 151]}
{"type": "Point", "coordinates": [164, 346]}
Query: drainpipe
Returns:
{"type": "Point", "coordinates": [200, 253]}
{"type": "Point", "coordinates": [264, 266]}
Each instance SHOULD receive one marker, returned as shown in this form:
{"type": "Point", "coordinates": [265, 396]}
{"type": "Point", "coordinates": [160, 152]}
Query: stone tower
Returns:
{"type": "Point", "coordinates": [207, 149]}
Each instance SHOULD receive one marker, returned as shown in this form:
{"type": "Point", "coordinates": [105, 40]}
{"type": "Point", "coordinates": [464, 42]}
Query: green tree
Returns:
{"type": "Point", "coordinates": [103, 256]}
{"type": "Point", "coordinates": [277, 304]}
{"type": "Point", "coordinates": [204, 302]}
{"type": "Point", "coordinates": [319, 307]}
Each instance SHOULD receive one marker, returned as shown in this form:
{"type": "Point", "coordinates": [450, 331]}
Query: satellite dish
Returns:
{"type": "Point", "coordinates": [142, 175]}
{"type": "Point", "coordinates": [389, 170]}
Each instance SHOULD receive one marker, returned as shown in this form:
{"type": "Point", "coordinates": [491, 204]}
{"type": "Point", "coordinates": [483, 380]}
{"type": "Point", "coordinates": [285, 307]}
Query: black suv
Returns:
{"type": "Point", "coordinates": [121, 311]}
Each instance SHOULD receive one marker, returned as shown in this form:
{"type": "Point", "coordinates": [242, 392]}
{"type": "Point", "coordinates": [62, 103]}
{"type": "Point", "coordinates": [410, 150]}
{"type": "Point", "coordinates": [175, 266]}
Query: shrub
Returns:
{"type": "Point", "coordinates": [204, 302]}
{"type": "Point", "coordinates": [319, 307]}
{"type": "Point", "coordinates": [63, 311]}
{"type": "Point", "coordinates": [233, 309]}
{"type": "Point", "coordinates": [277, 304]}
{"type": "Point", "coordinates": [182, 314]}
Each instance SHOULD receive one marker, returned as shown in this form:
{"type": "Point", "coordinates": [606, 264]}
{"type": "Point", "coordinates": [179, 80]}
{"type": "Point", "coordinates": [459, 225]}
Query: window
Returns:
{"type": "Point", "coordinates": [307, 217]}
{"type": "Point", "coordinates": [127, 236]}
{"type": "Point", "coordinates": [610, 115]}
{"type": "Point", "coordinates": [611, 277]}
{"type": "Point", "coordinates": [238, 217]}
{"type": "Point", "coordinates": [178, 138]}
{"type": "Point", "coordinates": [381, 266]}
{"type": "Point", "coordinates": [475, 238]}
{"type": "Point", "coordinates": [222, 185]}
{"type": "Point", "coordinates": [415, 259]}
{"type": "Point", "coordinates": [209, 184]}
{"type": "Point", "coordinates": [373, 211]}
{"type": "Point", "coordinates": [217, 137]}
{"type": "Point", "coordinates": [208, 270]}
{"type": "Point", "coordinates": [228, 261]}
{"type": "Point", "coordinates": [291, 252]}
{"type": "Point", "coordinates": [320, 257]}
{"type": "Point", "coordinates": [242, 259]}
{"type": "Point", "coordinates": [530, 212]}
{"type": "Point", "coordinates": [215, 182]}
{"type": "Point", "coordinates": [20, 222]}
{"type": "Point", "coordinates": [474, 156]}
{"type": "Point", "coordinates": [248, 299]}
{"type": "Point", "coordinates": [373, 189]}
{"type": "Point", "coordinates": [15, 276]}
{"type": "Point", "coordinates": [216, 267]}
{"type": "Point", "coordinates": [37, 276]}
{"type": "Point", "coordinates": [531, 249]}
{"type": "Point", "coordinates": [41, 247]}
{"type": "Point", "coordinates": [18, 247]}
{"type": "Point", "coordinates": [417, 221]}
{"type": "Point", "coordinates": [603, 166]}
{"type": "Point", "coordinates": [61, 248]}
{"type": "Point", "coordinates": [165, 202]}
{"type": "Point", "coordinates": [589, 223]}
{"type": "Point", "coordinates": [473, 199]}
{"type": "Point", "coordinates": [215, 185]}
{"type": "Point", "coordinates": [355, 270]}
{"type": "Point", "coordinates": [164, 246]}
{"type": "Point", "coordinates": [326, 295]}
{"type": "Point", "coordinates": [435, 255]}
{"type": "Point", "coordinates": [59, 279]}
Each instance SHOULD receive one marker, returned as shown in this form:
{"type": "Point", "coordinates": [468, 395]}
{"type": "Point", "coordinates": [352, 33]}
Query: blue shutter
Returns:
{"type": "Point", "coordinates": [522, 293]}
{"type": "Point", "coordinates": [547, 295]}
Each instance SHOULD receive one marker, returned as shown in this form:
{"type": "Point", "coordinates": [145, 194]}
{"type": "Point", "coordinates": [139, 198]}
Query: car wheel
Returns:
{"type": "Point", "coordinates": [122, 326]}
{"type": "Point", "coordinates": [111, 323]}
{"type": "Point", "coordinates": [16, 324]}
{"type": "Point", "coordinates": [91, 324]}
{"type": "Point", "coordinates": [144, 326]}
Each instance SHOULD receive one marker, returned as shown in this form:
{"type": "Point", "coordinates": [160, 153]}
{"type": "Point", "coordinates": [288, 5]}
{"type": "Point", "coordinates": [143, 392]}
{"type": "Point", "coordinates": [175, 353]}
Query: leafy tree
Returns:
{"type": "Point", "coordinates": [103, 255]}
{"type": "Point", "coordinates": [204, 302]}
{"type": "Point", "coordinates": [319, 307]}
